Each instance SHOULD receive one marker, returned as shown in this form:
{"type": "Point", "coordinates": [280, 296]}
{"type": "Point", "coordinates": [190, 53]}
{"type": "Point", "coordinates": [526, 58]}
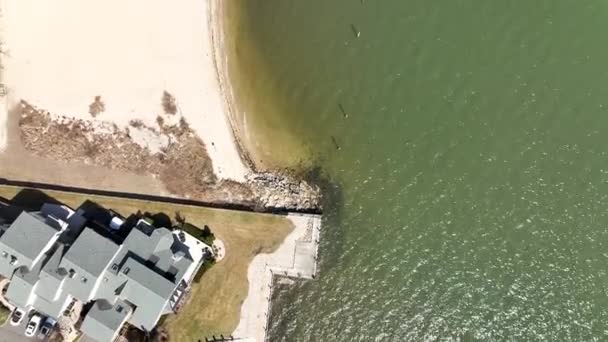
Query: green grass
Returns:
{"type": "Point", "coordinates": [4, 314]}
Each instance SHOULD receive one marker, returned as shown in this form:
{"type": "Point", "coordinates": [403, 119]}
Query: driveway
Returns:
{"type": "Point", "coordinates": [9, 333]}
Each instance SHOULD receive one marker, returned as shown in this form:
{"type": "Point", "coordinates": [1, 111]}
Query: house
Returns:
{"type": "Point", "coordinates": [52, 259]}
{"type": "Point", "coordinates": [26, 246]}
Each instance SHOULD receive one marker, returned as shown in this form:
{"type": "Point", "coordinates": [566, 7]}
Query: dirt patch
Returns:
{"type": "Point", "coordinates": [178, 157]}
{"type": "Point", "coordinates": [170, 152]}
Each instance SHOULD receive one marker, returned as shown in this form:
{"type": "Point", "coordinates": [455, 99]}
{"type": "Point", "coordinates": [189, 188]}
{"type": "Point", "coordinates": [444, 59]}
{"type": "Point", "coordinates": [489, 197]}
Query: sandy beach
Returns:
{"type": "Point", "coordinates": [68, 55]}
{"type": "Point", "coordinates": [3, 105]}
{"type": "Point", "coordinates": [3, 123]}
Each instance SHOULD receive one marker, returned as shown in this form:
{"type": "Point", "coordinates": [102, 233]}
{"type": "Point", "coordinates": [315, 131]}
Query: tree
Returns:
{"type": "Point", "coordinates": [179, 218]}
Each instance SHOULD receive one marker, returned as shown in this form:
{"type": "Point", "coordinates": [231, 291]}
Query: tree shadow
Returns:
{"type": "Point", "coordinates": [26, 199]}
{"type": "Point", "coordinates": [8, 213]}
{"type": "Point", "coordinates": [161, 220]}
{"type": "Point", "coordinates": [32, 199]}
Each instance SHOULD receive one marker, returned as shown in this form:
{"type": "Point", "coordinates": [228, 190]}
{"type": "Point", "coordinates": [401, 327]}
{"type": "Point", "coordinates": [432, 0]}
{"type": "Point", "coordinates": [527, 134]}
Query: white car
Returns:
{"type": "Point", "coordinates": [33, 325]}
{"type": "Point", "coordinates": [17, 317]}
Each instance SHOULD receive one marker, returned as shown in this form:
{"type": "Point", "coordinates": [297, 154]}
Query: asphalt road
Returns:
{"type": "Point", "coordinates": [9, 333]}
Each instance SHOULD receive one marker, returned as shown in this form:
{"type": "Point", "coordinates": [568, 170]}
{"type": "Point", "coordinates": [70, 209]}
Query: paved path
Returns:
{"type": "Point", "coordinates": [295, 258]}
{"type": "Point", "coordinates": [9, 333]}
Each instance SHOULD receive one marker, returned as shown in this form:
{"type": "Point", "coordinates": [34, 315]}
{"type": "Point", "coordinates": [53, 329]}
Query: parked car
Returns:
{"type": "Point", "coordinates": [46, 328]}
{"type": "Point", "coordinates": [33, 325]}
{"type": "Point", "coordinates": [17, 316]}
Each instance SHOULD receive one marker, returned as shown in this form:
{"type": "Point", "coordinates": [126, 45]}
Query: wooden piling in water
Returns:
{"type": "Point", "coordinates": [355, 31]}
{"type": "Point", "coordinates": [333, 139]}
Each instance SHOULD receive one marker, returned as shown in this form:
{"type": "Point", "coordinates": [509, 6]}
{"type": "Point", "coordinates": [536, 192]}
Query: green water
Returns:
{"type": "Point", "coordinates": [471, 188]}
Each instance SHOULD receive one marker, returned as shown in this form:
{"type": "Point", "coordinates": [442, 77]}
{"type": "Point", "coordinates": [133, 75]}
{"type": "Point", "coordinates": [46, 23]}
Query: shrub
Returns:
{"type": "Point", "coordinates": [207, 264]}
{"type": "Point", "coordinates": [97, 106]}
{"type": "Point", "coordinates": [169, 103]}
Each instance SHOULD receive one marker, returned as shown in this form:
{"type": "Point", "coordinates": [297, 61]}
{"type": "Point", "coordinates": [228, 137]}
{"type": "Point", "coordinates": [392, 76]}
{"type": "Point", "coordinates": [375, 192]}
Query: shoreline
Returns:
{"type": "Point", "coordinates": [218, 33]}
{"type": "Point", "coordinates": [180, 61]}
{"type": "Point", "coordinates": [296, 256]}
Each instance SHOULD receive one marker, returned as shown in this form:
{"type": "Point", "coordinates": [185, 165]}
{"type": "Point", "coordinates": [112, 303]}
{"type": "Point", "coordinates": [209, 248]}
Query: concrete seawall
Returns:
{"type": "Point", "coordinates": [295, 258]}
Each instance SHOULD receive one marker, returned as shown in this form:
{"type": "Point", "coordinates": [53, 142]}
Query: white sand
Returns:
{"type": "Point", "coordinates": [63, 53]}
{"type": "Point", "coordinates": [3, 107]}
{"type": "Point", "coordinates": [3, 123]}
{"type": "Point", "coordinates": [145, 137]}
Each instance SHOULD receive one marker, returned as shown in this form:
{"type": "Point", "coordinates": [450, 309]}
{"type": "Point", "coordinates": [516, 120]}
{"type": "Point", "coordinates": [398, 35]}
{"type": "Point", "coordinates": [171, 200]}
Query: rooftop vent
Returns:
{"type": "Point", "coordinates": [126, 270]}
{"type": "Point", "coordinates": [171, 273]}
{"type": "Point", "coordinates": [83, 280]}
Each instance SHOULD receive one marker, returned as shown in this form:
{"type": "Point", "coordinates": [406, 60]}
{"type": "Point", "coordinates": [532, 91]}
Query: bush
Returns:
{"type": "Point", "coordinates": [207, 264]}
{"type": "Point", "coordinates": [4, 313]}
{"type": "Point", "coordinates": [205, 235]}
{"type": "Point", "coordinates": [169, 103]}
{"type": "Point", "coordinates": [97, 107]}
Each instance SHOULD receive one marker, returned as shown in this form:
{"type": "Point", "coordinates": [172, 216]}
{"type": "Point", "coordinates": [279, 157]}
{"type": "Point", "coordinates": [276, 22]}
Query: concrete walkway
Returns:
{"type": "Point", "coordinates": [3, 300]}
{"type": "Point", "coordinates": [295, 258]}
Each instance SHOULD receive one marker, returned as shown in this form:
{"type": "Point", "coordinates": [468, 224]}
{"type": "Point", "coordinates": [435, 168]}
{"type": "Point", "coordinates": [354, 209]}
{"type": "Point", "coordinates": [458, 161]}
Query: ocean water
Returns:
{"type": "Point", "coordinates": [467, 144]}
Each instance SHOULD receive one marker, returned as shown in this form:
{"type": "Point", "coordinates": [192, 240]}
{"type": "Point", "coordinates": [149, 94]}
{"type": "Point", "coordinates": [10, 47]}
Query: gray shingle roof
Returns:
{"type": "Point", "coordinates": [51, 308]}
{"type": "Point", "coordinates": [85, 261]}
{"type": "Point", "coordinates": [104, 320]}
{"type": "Point", "coordinates": [19, 289]}
{"type": "Point", "coordinates": [91, 252]}
{"type": "Point", "coordinates": [24, 282]}
{"type": "Point", "coordinates": [28, 235]}
{"type": "Point", "coordinates": [26, 238]}
{"type": "Point", "coordinates": [138, 244]}
{"type": "Point", "coordinates": [144, 245]}
{"type": "Point", "coordinates": [51, 266]}
{"type": "Point", "coordinates": [6, 269]}
{"type": "Point", "coordinates": [51, 276]}
{"type": "Point", "coordinates": [144, 272]}
{"type": "Point", "coordinates": [146, 289]}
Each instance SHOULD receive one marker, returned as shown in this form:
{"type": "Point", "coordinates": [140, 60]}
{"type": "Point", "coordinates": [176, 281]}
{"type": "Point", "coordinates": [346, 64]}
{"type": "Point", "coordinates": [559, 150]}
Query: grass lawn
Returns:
{"type": "Point", "coordinates": [215, 302]}
{"type": "Point", "coordinates": [4, 313]}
